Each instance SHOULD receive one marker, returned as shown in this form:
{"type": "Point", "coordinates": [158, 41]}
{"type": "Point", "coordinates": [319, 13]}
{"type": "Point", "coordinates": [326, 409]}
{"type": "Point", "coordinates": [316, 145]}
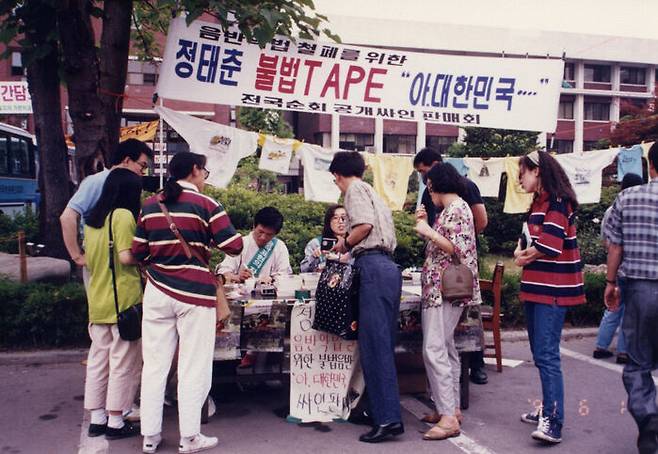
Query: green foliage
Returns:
{"type": "Point", "coordinates": [303, 221]}
{"type": "Point", "coordinates": [486, 142]}
{"type": "Point", "coordinates": [9, 227]}
{"type": "Point", "coordinates": [40, 315]}
{"type": "Point", "coordinates": [267, 121]}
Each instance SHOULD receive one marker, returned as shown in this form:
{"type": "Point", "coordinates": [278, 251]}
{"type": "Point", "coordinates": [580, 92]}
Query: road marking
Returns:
{"type": "Point", "coordinates": [596, 362]}
{"type": "Point", "coordinates": [506, 362]}
{"type": "Point", "coordinates": [463, 442]}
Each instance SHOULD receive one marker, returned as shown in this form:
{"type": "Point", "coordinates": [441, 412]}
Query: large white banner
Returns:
{"type": "Point", "coordinates": [204, 64]}
{"type": "Point", "coordinates": [15, 98]}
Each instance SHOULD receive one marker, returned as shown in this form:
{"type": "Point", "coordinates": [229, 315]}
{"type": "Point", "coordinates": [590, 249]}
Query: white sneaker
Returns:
{"type": "Point", "coordinates": [132, 415]}
{"type": "Point", "coordinates": [197, 444]}
{"type": "Point", "coordinates": [151, 443]}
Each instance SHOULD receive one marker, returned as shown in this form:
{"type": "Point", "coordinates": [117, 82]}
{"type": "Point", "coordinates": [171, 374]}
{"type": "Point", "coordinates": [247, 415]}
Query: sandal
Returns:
{"type": "Point", "coordinates": [441, 433]}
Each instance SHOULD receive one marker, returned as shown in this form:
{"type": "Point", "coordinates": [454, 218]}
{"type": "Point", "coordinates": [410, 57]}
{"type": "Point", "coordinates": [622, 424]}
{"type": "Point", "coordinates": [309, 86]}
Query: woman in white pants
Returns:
{"type": "Point", "coordinates": [180, 298]}
{"type": "Point", "coordinates": [453, 233]}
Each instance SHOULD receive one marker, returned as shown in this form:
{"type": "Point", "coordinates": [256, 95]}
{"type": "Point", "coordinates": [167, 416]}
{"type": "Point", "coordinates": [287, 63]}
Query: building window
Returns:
{"type": "Point", "coordinates": [565, 110]}
{"type": "Point", "coordinates": [589, 145]}
{"type": "Point", "coordinates": [141, 73]}
{"type": "Point", "coordinates": [17, 64]}
{"type": "Point", "coordinates": [149, 79]}
{"type": "Point", "coordinates": [632, 76]}
{"type": "Point", "coordinates": [569, 72]}
{"type": "Point", "coordinates": [356, 142]}
{"type": "Point", "coordinates": [559, 145]}
{"type": "Point", "coordinates": [597, 73]}
{"type": "Point", "coordinates": [597, 111]}
{"type": "Point", "coordinates": [394, 143]}
{"type": "Point", "coordinates": [440, 143]}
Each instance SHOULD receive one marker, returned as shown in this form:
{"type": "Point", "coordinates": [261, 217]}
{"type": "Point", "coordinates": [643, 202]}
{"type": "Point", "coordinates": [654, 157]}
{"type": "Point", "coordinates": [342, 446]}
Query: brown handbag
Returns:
{"type": "Point", "coordinates": [223, 309]}
{"type": "Point", "coordinates": [456, 282]}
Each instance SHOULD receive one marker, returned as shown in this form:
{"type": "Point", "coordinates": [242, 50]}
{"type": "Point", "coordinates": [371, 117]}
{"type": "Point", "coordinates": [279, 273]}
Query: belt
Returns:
{"type": "Point", "coordinates": [373, 251]}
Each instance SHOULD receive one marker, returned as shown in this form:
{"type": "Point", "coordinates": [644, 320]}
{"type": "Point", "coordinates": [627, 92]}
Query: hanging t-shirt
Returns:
{"type": "Point", "coordinates": [516, 199]}
{"type": "Point", "coordinates": [645, 152]}
{"type": "Point", "coordinates": [276, 153]}
{"type": "Point", "coordinates": [319, 184]}
{"type": "Point", "coordinates": [458, 163]}
{"type": "Point", "coordinates": [223, 145]}
{"type": "Point", "coordinates": [629, 160]}
{"type": "Point", "coordinates": [390, 177]}
{"type": "Point", "coordinates": [486, 174]}
{"type": "Point", "coordinates": [584, 172]}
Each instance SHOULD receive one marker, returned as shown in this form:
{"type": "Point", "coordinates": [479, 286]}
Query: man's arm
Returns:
{"type": "Point", "coordinates": [70, 221]}
{"type": "Point", "coordinates": [480, 218]}
{"type": "Point", "coordinates": [358, 233]}
{"type": "Point", "coordinates": [611, 294]}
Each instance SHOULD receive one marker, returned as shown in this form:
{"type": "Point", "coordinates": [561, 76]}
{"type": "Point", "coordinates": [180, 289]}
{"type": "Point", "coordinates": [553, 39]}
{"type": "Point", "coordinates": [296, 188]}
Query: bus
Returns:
{"type": "Point", "coordinates": [18, 170]}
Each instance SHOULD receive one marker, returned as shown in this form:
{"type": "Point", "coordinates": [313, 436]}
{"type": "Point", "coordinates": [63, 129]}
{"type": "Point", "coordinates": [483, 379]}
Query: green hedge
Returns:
{"type": "Point", "coordinates": [10, 225]}
{"type": "Point", "coordinates": [38, 315]}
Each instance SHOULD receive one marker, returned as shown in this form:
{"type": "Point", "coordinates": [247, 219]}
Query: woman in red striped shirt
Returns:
{"type": "Point", "coordinates": [551, 280]}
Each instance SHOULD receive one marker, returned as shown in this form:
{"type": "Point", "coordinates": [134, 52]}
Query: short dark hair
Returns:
{"type": "Point", "coordinates": [131, 148]}
{"type": "Point", "coordinates": [630, 180]}
{"type": "Point", "coordinates": [445, 179]}
{"type": "Point", "coordinates": [269, 217]}
{"type": "Point", "coordinates": [427, 156]}
{"type": "Point", "coordinates": [348, 164]}
{"type": "Point", "coordinates": [653, 156]}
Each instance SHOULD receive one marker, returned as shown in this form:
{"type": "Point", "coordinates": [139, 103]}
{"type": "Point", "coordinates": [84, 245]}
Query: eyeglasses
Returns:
{"type": "Point", "coordinates": [338, 218]}
{"type": "Point", "coordinates": [142, 164]}
{"type": "Point", "coordinates": [207, 173]}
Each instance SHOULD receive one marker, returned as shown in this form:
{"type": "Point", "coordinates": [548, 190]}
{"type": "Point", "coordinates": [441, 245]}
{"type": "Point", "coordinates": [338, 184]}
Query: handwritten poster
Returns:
{"type": "Point", "coordinates": [326, 380]}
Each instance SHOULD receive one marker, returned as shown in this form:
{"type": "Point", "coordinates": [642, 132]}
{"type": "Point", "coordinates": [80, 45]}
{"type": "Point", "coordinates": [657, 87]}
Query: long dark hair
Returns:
{"type": "Point", "coordinates": [180, 167]}
{"type": "Point", "coordinates": [326, 229]}
{"type": "Point", "coordinates": [553, 178]}
{"type": "Point", "coordinates": [122, 189]}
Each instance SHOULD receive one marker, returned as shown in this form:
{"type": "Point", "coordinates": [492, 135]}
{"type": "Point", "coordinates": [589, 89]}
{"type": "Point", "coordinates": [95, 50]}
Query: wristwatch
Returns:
{"type": "Point", "coordinates": [613, 282]}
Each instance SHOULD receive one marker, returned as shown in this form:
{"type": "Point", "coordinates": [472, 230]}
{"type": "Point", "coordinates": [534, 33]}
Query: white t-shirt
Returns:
{"type": "Point", "coordinates": [276, 153]}
{"type": "Point", "coordinates": [486, 174]}
{"type": "Point", "coordinates": [277, 264]}
{"type": "Point", "coordinates": [223, 145]}
{"type": "Point", "coordinates": [584, 172]}
{"type": "Point", "coordinates": [319, 184]}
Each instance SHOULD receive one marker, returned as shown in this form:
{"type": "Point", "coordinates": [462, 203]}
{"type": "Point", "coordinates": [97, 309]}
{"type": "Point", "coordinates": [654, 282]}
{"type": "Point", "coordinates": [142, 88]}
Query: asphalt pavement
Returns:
{"type": "Point", "coordinates": [41, 412]}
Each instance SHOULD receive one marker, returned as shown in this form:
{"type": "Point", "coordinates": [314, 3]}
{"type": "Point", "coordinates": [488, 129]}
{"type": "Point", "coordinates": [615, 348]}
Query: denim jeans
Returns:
{"type": "Point", "coordinates": [544, 330]}
{"type": "Point", "coordinates": [639, 325]}
{"type": "Point", "coordinates": [610, 322]}
{"type": "Point", "coordinates": [380, 286]}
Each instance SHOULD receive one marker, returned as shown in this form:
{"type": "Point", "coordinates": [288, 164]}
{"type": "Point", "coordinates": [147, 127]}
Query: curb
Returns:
{"type": "Point", "coordinates": [77, 355]}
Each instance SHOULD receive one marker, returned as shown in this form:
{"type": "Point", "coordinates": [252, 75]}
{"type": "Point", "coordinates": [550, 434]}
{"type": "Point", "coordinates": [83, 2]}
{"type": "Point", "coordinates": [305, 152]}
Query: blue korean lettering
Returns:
{"type": "Point", "coordinates": [187, 52]}
{"type": "Point", "coordinates": [505, 93]}
{"type": "Point", "coordinates": [463, 86]}
{"type": "Point", "coordinates": [230, 64]}
{"type": "Point", "coordinates": [208, 58]}
{"type": "Point", "coordinates": [482, 90]}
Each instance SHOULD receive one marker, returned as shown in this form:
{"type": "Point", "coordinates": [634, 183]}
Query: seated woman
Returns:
{"type": "Point", "coordinates": [453, 234]}
{"type": "Point", "coordinates": [335, 226]}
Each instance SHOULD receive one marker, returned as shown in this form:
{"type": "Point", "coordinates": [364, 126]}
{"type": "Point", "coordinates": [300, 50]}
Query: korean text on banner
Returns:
{"type": "Point", "coordinates": [223, 145]}
{"type": "Point", "coordinates": [15, 98]}
{"type": "Point", "coordinates": [205, 64]}
{"type": "Point", "coordinates": [325, 380]}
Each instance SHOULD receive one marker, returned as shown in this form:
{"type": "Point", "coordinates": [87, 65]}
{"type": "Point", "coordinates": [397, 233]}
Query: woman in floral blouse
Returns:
{"type": "Point", "coordinates": [453, 233]}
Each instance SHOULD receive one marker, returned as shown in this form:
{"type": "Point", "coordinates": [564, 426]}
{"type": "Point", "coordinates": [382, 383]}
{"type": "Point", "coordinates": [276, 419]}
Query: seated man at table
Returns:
{"type": "Point", "coordinates": [263, 256]}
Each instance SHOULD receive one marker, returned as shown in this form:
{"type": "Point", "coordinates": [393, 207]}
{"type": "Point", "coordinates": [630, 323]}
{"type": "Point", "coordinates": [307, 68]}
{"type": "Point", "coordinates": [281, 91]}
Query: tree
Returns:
{"type": "Point", "coordinates": [638, 125]}
{"type": "Point", "coordinates": [486, 142]}
{"type": "Point", "coordinates": [58, 41]}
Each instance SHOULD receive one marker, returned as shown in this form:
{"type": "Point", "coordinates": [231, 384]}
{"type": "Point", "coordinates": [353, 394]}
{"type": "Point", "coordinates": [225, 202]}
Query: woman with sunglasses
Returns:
{"type": "Point", "coordinates": [180, 297]}
{"type": "Point", "coordinates": [551, 280]}
{"type": "Point", "coordinates": [334, 227]}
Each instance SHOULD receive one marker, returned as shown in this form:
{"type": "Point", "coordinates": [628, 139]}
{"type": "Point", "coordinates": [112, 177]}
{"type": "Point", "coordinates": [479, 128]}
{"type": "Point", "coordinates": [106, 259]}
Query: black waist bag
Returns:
{"type": "Point", "coordinates": [337, 300]}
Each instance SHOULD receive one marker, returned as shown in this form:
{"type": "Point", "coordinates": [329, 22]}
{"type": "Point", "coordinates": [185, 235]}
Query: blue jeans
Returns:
{"type": "Point", "coordinates": [610, 322]}
{"type": "Point", "coordinates": [544, 330]}
{"type": "Point", "coordinates": [380, 286]}
{"type": "Point", "coordinates": [639, 325]}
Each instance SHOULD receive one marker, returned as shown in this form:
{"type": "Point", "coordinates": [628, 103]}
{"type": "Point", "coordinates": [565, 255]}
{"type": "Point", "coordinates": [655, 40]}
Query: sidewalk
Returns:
{"type": "Point", "coordinates": [62, 356]}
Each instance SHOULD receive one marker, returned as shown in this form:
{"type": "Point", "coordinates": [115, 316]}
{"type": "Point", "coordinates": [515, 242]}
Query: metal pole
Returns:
{"type": "Point", "coordinates": [161, 149]}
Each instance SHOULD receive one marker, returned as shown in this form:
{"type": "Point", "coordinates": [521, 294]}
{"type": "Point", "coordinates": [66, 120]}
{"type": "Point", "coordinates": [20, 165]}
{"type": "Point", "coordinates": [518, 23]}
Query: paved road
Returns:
{"type": "Point", "coordinates": [41, 412]}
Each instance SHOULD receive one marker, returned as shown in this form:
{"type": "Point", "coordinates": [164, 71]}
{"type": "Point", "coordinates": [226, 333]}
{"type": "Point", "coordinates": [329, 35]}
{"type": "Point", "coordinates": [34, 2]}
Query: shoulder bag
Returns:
{"type": "Point", "coordinates": [129, 321]}
{"type": "Point", "coordinates": [337, 300]}
{"type": "Point", "coordinates": [223, 310]}
{"type": "Point", "coordinates": [456, 282]}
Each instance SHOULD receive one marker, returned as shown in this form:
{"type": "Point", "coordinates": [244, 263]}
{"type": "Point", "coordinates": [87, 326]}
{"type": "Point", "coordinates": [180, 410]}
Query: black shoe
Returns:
{"type": "Point", "coordinates": [479, 376]}
{"type": "Point", "coordinates": [647, 442]}
{"type": "Point", "coordinates": [622, 358]}
{"type": "Point", "coordinates": [380, 433]}
{"type": "Point", "coordinates": [96, 430]}
{"type": "Point", "coordinates": [361, 417]}
{"type": "Point", "coordinates": [601, 353]}
{"type": "Point", "coordinates": [128, 430]}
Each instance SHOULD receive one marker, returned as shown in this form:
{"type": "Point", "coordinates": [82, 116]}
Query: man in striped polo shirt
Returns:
{"type": "Point", "coordinates": [632, 234]}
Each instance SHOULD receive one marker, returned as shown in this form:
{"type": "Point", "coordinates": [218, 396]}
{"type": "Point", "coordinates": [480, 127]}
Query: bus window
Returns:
{"type": "Point", "coordinates": [19, 161]}
{"type": "Point", "coordinates": [4, 152]}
